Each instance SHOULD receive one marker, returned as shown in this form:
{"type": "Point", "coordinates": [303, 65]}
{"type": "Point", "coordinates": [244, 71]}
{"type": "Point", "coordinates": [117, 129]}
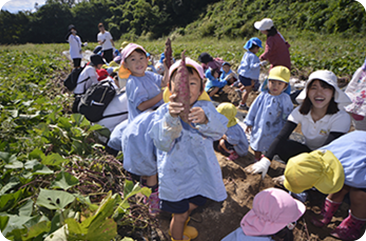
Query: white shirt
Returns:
{"type": "Point", "coordinates": [75, 46]}
{"type": "Point", "coordinates": [316, 133]}
{"type": "Point", "coordinates": [107, 37]}
{"type": "Point", "coordinates": [117, 105]}
{"type": "Point", "coordinates": [82, 85]}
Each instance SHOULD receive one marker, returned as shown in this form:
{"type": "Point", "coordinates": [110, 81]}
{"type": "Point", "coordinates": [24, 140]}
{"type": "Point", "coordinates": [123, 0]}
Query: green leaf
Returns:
{"type": "Point", "coordinates": [3, 222]}
{"type": "Point", "coordinates": [65, 180]}
{"type": "Point", "coordinates": [102, 231]}
{"type": "Point", "coordinates": [127, 239]}
{"type": "Point", "coordinates": [8, 201]}
{"type": "Point", "coordinates": [15, 222]}
{"type": "Point", "coordinates": [14, 165]}
{"type": "Point", "coordinates": [128, 191]}
{"type": "Point", "coordinates": [8, 187]}
{"type": "Point", "coordinates": [38, 229]}
{"type": "Point", "coordinates": [76, 231]}
{"type": "Point", "coordinates": [41, 170]}
{"type": "Point", "coordinates": [53, 199]}
{"type": "Point", "coordinates": [30, 164]}
{"type": "Point", "coordinates": [54, 160]}
{"type": "Point", "coordinates": [37, 154]}
{"type": "Point", "coordinates": [58, 235]}
{"type": "Point", "coordinates": [26, 209]}
{"type": "Point", "coordinates": [7, 158]}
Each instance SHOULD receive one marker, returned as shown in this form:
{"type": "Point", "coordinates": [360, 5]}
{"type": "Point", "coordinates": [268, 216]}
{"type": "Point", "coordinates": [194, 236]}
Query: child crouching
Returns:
{"type": "Point", "coordinates": [234, 143]}
{"type": "Point", "coordinates": [272, 216]}
{"type": "Point", "coordinates": [188, 169]}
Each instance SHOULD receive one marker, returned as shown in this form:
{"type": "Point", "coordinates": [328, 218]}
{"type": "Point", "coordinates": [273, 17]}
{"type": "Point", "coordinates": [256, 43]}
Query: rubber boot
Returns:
{"type": "Point", "coordinates": [328, 210]}
{"type": "Point", "coordinates": [188, 231]}
{"type": "Point", "coordinates": [185, 238]}
{"type": "Point", "coordinates": [349, 229]}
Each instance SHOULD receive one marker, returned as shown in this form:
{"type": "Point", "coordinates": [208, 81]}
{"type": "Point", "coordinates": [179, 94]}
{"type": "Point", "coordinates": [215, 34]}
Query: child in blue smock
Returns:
{"type": "Point", "coordinates": [269, 111]}
{"type": "Point", "coordinates": [234, 143]}
{"type": "Point", "coordinates": [213, 84]}
{"type": "Point", "coordinates": [337, 169]}
{"type": "Point", "coordinates": [249, 69]}
{"type": "Point", "coordinates": [143, 87]}
{"type": "Point", "coordinates": [227, 74]}
{"type": "Point", "coordinates": [188, 169]}
{"type": "Point", "coordinates": [139, 155]}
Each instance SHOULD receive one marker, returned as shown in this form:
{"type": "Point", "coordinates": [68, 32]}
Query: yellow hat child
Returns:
{"type": "Point", "coordinates": [229, 111]}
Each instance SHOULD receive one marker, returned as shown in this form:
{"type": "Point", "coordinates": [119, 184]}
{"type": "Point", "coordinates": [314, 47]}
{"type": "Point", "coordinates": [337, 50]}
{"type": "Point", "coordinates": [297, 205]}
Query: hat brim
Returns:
{"type": "Point", "coordinates": [190, 63]}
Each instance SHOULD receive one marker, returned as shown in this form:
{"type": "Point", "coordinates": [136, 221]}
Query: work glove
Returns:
{"type": "Point", "coordinates": [264, 62]}
{"type": "Point", "coordinates": [259, 167]}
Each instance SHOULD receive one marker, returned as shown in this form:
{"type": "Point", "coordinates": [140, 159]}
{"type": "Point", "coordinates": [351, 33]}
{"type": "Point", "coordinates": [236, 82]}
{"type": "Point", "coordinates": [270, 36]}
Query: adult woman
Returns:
{"type": "Point", "coordinates": [337, 169]}
{"type": "Point", "coordinates": [75, 46]}
{"type": "Point", "coordinates": [321, 116]}
{"type": "Point", "coordinates": [105, 39]}
{"type": "Point", "coordinates": [277, 49]}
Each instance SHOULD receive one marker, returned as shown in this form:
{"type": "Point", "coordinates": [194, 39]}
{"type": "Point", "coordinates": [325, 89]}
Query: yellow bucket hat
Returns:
{"type": "Point", "coordinates": [319, 169]}
{"type": "Point", "coordinates": [167, 94]}
{"type": "Point", "coordinates": [229, 111]}
{"type": "Point", "coordinates": [124, 44]}
{"type": "Point", "coordinates": [280, 73]}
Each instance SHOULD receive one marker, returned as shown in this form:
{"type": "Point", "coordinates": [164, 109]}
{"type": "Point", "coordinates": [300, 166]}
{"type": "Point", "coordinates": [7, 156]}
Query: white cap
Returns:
{"type": "Point", "coordinates": [264, 24]}
{"type": "Point", "coordinates": [330, 78]}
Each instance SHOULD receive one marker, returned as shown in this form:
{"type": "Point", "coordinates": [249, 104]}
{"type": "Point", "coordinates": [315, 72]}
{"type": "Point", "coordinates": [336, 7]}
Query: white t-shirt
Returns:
{"type": "Point", "coordinates": [316, 133]}
{"type": "Point", "coordinates": [117, 105]}
{"type": "Point", "coordinates": [82, 85]}
{"type": "Point", "coordinates": [107, 37]}
{"type": "Point", "coordinates": [75, 46]}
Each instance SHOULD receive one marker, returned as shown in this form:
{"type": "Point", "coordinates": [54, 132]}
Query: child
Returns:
{"type": "Point", "coordinates": [269, 111]}
{"type": "Point", "coordinates": [139, 155]}
{"type": "Point", "coordinates": [249, 69]}
{"type": "Point", "coordinates": [227, 74]}
{"type": "Point", "coordinates": [213, 84]}
{"type": "Point", "coordinates": [273, 215]}
{"type": "Point", "coordinates": [234, 143]}
{"type": "Point", "coordinates": [143, 88]}
{"type": "Point", "coordinates": [188, 169]}
{"type": "Point", "coordinates": [209, 62]}
{"type": "Point", "coordinates": [337, 169]}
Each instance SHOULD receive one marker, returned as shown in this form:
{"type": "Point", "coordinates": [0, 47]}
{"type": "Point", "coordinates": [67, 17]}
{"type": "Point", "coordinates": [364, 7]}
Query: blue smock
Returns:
{"type": "Point", "coordinates": [187, 164]}
{"type": "Point", "coordinates": [350, 149]}
{"type": "Point", "coordinates": [141, 89]}
{"type": "Point", "coordinates": [267, 115]}
{"type": "Point", "coordinates": [249, 66]}
{"type": "Point", "coordinates": [236, 137]}
{"type": "Point", "coordinates": [139, 152]}
{"type": "Point", "coordinates": [238, 235]}
{"type": "Point", "coordinates": [115, 139]}
{"type": "Point", "coordinates": [212, 82]}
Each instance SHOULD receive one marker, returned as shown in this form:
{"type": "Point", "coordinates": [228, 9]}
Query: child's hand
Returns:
{"type": "Point", "coordinates": [249, 129]}
{"type": "Point", "coordinates": [197, 115]}
{"type": "Point", "coordinates": [174, 107]}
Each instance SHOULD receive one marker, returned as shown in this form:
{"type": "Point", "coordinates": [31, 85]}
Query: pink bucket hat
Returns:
{"type": "Point", "coordinates": [273, 209]}
{"type": "Point", "coordinates": [189, 62]}
{"type": "Point", "coordinates": [129, 49]}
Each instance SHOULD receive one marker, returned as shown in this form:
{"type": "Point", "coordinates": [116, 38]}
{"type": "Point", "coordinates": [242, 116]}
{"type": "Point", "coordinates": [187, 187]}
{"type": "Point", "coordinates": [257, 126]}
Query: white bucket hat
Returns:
{"type": "Point", "coordinates": [330, 78]}
{"type": "Point", "coordinates": [264, 24]}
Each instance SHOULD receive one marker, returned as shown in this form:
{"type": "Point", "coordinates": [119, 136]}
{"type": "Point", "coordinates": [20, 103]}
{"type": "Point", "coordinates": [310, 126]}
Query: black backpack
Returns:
{"type": "Point", "coordinates": [72, 79]}
{"type": "Point", "coordinates": [96, 99]}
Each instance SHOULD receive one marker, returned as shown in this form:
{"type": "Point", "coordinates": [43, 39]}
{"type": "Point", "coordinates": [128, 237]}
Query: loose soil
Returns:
{"type": "Point", "coordinates": [215, 220]}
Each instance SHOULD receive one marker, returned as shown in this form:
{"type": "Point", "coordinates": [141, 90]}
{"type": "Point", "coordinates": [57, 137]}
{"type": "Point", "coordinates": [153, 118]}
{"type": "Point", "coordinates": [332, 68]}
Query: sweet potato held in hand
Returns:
{"type": "Point", "coordinates": [181, 89]}
{"type": "Point", "coordinates": [168, 53]}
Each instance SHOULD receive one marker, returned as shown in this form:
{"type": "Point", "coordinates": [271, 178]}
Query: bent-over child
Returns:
{"type": "Point", "coordinates": [188, 169]}
{"type": "Point", "coordinates": [234, 142]}
{"type": "Point", "coordinates": [213, 84]}
{"type": "Point", "coordinates": [227, 74]}
{"type": "Point", "coordinates": [269, 111]}
{"type": "Point", "coordinates": [273, 216]}
{"type": "Point", "coordinates": [143, 87]}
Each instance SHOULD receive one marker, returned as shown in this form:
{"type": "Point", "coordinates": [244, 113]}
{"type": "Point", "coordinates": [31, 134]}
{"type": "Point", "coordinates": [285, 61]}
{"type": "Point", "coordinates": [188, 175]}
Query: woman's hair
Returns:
{"type": "Point", "coordinates": [306, 104]}
{"type": "Point", "coordinates": [100, 25]}
{"type": "Point", "coordinates": [272, 31]}
{"type": "Point", "coordinates": [190, 71]}
{"type": "Point", "coordinates": [284, 234]}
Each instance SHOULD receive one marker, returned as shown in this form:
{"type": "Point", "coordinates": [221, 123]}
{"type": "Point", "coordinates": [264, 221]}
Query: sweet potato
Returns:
{"type": "Point", "coordinates": [168, 53]}
{"type": "Point", "coordinates": [181, 89]}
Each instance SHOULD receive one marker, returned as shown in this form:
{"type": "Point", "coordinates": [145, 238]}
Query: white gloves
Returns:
{"type": "Point", "coordinates": [85, 44]}
{"type": "Point", "coordinates": [259, 167]}
{"type": "Point", "coordinates": [264, 62]}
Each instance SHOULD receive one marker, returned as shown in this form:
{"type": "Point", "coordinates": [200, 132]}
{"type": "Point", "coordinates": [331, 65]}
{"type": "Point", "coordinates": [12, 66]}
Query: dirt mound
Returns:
{"type": "Point", "coordinates": [215, 220]}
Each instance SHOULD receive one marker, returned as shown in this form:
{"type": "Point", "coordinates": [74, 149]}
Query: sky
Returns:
{"type": "Point", "coordinates": [14, 6]}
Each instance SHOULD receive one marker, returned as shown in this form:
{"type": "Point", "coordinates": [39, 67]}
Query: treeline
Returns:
{"type": "Point", "coordinates": [156, 18]}
{"type": "Point", "coordinates": [49, 23]}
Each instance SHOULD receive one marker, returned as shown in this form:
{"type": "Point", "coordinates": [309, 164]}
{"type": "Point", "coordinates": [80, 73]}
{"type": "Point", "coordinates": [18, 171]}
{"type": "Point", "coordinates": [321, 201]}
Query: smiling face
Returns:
{"type": "Point", "coordinates": [276, 87]}
{"type": "Point", "coordinates": [226, 68]}
{"type": "Point", "coordinates": [137, 63]}
{"type": "Point", "coordinates": [195, 88]}
{"type": "Point", "coordinates": [320, 94]}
